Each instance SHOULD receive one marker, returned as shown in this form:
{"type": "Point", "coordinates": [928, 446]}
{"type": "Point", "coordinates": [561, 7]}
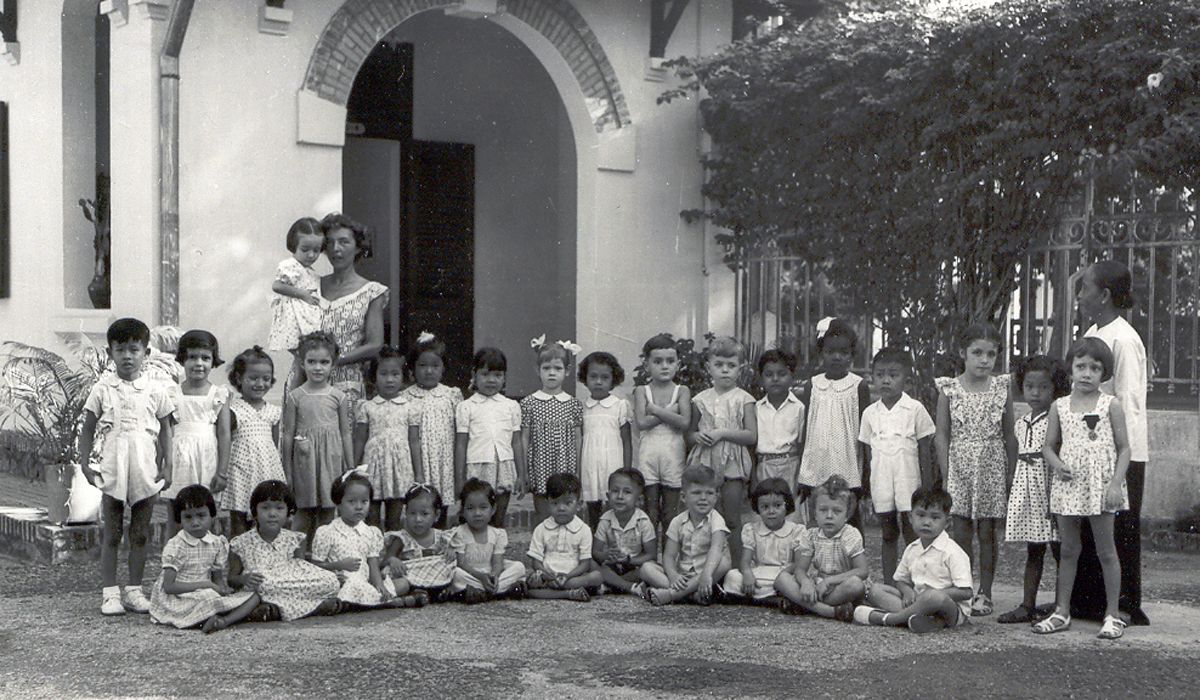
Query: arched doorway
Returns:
{"type": "Point", "coordinates": [466, 170]}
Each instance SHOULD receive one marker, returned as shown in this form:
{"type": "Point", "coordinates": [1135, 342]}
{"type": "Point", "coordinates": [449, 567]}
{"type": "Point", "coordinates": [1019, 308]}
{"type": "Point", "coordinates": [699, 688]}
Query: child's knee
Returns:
{"type": "Point", "coordinates": [889, 531]}
{"type": "Point", "coordinates": [139, 537]}
{"type": "Point", "coordinates": [852, 586]}
{"type": "Point", "coordinates": [1070, 550]}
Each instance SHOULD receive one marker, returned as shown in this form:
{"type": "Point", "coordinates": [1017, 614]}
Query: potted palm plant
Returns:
{"type": "Point", "coordinates": [42, 399]}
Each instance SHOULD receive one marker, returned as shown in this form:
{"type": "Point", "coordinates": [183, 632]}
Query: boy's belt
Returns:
{"type": "Point", "coordinates": [774, 455]}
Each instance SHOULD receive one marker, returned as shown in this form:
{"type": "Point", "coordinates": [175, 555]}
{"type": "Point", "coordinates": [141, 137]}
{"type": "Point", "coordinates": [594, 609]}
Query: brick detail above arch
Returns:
{"type": "Point", "coordinates": [358, 25]}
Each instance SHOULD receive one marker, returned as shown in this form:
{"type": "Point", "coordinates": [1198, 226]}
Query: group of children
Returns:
{"type": "Point", "coordinates": [337, 468]}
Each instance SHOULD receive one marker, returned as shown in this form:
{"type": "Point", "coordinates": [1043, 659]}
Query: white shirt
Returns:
{"type": "Point", "coordinates": [560, 548]}
{"type": "Point", "coordinates": [779, 428]}
{"type": "Point", "coordinates": [941, 565]}
{"type": "Point", "coordinates": [489, 422]}
{"type": "Point", "coordinates": [893, 433]}
{"type": "Point", "coordinates": [1128, 382]}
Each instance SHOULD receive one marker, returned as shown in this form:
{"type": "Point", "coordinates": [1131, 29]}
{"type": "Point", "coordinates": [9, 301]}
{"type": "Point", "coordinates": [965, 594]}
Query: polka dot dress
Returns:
{"type": "Point", "coordinates": [551, 422]}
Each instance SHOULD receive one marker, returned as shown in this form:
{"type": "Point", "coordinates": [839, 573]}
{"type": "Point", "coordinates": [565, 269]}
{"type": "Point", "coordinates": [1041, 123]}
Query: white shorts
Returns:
{"type": "Point", "coordinates": [892, 486]}
{"type": "Point", "coordinates": [661, 457]}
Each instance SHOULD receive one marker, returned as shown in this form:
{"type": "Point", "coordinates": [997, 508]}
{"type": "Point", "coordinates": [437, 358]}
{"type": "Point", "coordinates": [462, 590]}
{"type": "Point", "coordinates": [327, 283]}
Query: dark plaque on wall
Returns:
{"type": "Point", "coordinates": [5, 233]}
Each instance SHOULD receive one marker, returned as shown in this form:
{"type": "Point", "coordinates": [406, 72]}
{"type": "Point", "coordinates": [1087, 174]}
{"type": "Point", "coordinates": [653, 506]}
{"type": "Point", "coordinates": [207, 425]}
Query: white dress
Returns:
{"type": "Point", "coordinates": [194, 443]}
{"type": "Point", "coordinates": [831, 439]}
{"type": "Point", "coordinates": [337, 541]}
{"type": "Point", "coordinates": [292, 318]}
{"type": "Point", "coordinates": [603, 449]}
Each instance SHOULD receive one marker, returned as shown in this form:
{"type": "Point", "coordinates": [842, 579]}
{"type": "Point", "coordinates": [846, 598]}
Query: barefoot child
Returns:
{"type": "Point", "coordinates": [663, 411]}
{"type": "Point", "coordinates": [351, 548]}
{"type": "Point", "coordinates": [780, 417]}
{"type": "Point", "coordinates": [551, 423]}
{"type": "Point", "coordinates": [696, 555]}
{"type": "Point", "coordinates": [1041, 380]}
{"type": "Point", "coordinates": [488, 445]}
{"type": "Point", "coordinates": [419, 556]}
{"type": "Point", "coordinates": [933, 579]}
{"type": "Point", "coordinates": [431, 441]}
{"type": "Point", "coordinates": [625, 537]}
{"type": "Point", "coordinates": [270, 560]}
{"type": "Point", "coordinates": [899, 432]}
{"type": "Point", "coordinates": [724, 425]}
{"type": "Point", "coordinates": [201, 438]}
{"type": "Point", "coordinates": [383, 439]}
{"type": "Point", "coordinates": [561, 547]}
{"type": "Point", "coordinates": [254, 426]}
{"type": "Point", "coordinates": [830, 570]}
{"type": "Point", "coordinates": [192, 590]}
{"type": "Point", "coordinates": [134, 421]}
{"type": "Point", "coordinates": [767, 546]}
{"type": "Point", "coordinates": [483, 573]}
{"type": "Point", "coordinates": [607, 436]}
{"type": "Point", "coordinates": [1088, 448]}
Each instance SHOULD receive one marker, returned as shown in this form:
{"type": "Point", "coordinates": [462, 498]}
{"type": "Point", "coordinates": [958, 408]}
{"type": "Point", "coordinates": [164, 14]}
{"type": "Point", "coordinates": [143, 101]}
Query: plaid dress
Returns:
{"type": "Point", "coordinates": [193, 561]}
{"type": "Point", "coordinates": [427, 567]}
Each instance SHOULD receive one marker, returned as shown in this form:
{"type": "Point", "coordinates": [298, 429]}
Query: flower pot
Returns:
{"type": "Point", "coordinates": [70, 498]}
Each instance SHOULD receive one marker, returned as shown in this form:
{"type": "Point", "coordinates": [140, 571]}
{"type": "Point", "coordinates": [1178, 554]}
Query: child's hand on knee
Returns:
{"type": "Point", "coordinates": [705, 588]}
{"type": "Point", "coordinates": [820, 588]}
{"type": "Point", "coordinates": [908, 597]}
{"type": "Point", "coordinates": [808, 591]}
{"type": "Point", "coordinates": [747, 585]}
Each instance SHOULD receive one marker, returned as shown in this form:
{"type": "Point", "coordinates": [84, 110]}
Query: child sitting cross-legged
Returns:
{"type": "Point", "coordinates": [483, 573]}
{"type": "Point", "coordinates": [561, 546]}
{"type": "Point", "coordinates": [696, 555]}
{"type": "Point", "coordinates": [830, 568]}
{"type": "Point", "coordinates": [625, 537]}
{"type": "Point", "coordinates": [933, 580]}
{"type": "Point", "coordinates": [767, 546]}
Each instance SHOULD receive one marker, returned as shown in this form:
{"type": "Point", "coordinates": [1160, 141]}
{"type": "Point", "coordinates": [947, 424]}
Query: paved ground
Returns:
{"type": "Point", "coordinates": [53, 643]}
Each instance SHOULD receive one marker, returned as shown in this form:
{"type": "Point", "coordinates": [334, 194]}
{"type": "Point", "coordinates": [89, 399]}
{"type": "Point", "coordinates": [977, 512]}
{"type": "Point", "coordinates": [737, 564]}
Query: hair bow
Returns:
{"type": "Point", "coordinates": [823, 326]}
{"type": "Point", "coordinates": [538, 342]}
{"type": "Point", "coordinates": [426, 337]}
{"type": "Point", "coordinates": [361, 470]}
{"type": "Point", "coordinates": [419, 486]}
{"type": "Point", "coordinates": [570, 347]}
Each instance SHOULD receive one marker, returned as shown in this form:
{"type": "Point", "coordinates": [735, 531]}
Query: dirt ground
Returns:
{"type": "Point", "coordinates": [54, 643]}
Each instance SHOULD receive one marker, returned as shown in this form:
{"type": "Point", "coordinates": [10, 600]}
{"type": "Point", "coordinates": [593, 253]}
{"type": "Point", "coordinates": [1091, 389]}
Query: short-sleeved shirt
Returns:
{"type": "Point", "coordinates": [893, 434]}
{"type": "Point", "coordinates": [779, 428]}
{"type": "Point", "coordinates": [122, 406]}
{"type": "Point", "coordinates": [830, 555]}
{"type": "Point", "coordinates": [489, 422]}
{"type": "Point", "coordinates": [291, 271]}
{"type": "Point", "coordinates": [771, 547]}
{"type": "Point", "coordinates": [195, 559]}
{"type": "Point", "coordinates": [630, 539]}
{"type": "Point", "coordinates": [1128, 382]}
{"type": "Point", "coordinates": [941, 565]}
{"type": "Point", "coordinates": [478, 555]}
{"type": "Point", "coordinates": [695, 540]}
{"type": "Point", "coordinates": [560, 548]}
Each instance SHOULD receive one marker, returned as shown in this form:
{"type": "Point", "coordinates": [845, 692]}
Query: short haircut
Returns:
{"type": "Point", "coordinates": [489, 360]}
{"type": "Point", "coordinates": [419, 347]}
{"type": "Point", "coordinates": [1059, 377]}
{"type": "Point", "coordinates": [778, 356]}
{"type": "Point", "coordinates": [725, 346]}
{"type": "Point", "coordinates": [245, 358]}
{"type": "Point", "coordinates": [307, 226]}
{"type": "Point", "coordinates": [602, 358]}
{"type": "Point", "coordinates": [839, 329]}
{"type": "Point", "coordinates": [893, 356]}
{"type": "Point", "coordinates": [773, 487]}
{"type": "Point", "coordinates": [272, 490]}
{"type": "Point", "coordinates": [475, 485]}
{"type": "Point", "coordinates": [979, 331]}
{"type": "Point", "coordinates": [560, 485]}
{"type": "Point", "coordinates": [194, 496]}
{"type": "Point", "coordinates": [700, 476]}
{"type": "Point", "coordinates": [343, 482]}
{"type": "Point", "coordinates": [836, 488]}
{"type": "Point", "coordinates": [932, 498]}
{"type": "Point", "coordinates": [662, 341]}
{"type": "Point", "coordinates": [362, 242]}
{"type": "Point", "coordinates": [127, 330]}
{"type": "Point", "coordinates": [550, 351]}
{"type": "Point", "coordinates": [1097, 350]}
{"type": "Point", "coordinates": [387, 352]}
{"type": "Point", "coordinates": [633, 475]}
{"type": "Point", "coordinates": [198, 340]}
{"type": "Point", "coordinates": [424, 490]}
{"type": "Point", "coordinates": [1114, 277]}
{"type": "Point", "coordinates": [317, 339]}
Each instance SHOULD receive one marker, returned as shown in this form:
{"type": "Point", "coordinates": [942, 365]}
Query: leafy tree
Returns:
{"type": "Point", "coordinates": [916, 152]}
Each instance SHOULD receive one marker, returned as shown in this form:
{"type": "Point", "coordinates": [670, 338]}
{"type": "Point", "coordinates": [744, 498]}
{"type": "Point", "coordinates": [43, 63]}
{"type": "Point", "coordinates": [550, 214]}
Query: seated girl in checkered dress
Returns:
{"type": "Point", "coordinates": [419, 556]}
{"type": "Point", "coordinates": [830, 570]}
{"type": "Point", "coordinates": [483, 573]}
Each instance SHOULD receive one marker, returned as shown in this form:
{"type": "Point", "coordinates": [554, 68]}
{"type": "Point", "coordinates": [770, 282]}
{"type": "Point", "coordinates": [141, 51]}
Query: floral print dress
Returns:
{"type": "Point", "coordinates": [386, 454]}
{"type": "Point", "coordinates": [346, 319]}
{"type": "Point", "coordinates": [1089, 449]}
{"type": "Point", "coordinates": [435, 414]}
{"type": "Point", "coordinates": [296, 586]}
{"type": "Point", "coordinates": [976, 479]}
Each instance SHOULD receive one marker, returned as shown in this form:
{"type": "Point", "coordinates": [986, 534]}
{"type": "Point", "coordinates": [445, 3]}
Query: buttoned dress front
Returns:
{"type": "Point", "coordinates": [773, 551]}
{"type": "Point", "coordinates": [386, 453]}
{"type": "Point", "coordinates": [129, 415]}
{"type": "Point", "coordinates": [551, 421]}
{"type": "Point", "coordinates": [337, 541]}
{"type": "Point", "coordinates": [434, 411]}
{"type": "Point", "coordinates": [194, 560]}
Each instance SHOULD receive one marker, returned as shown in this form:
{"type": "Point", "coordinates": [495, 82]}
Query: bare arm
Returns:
{"type": "Point", "coordinates": [224, 436]}
{"type": "Point", "coordinates": [173, 587]}
{"type": "Point", "coordinates": [683, 419]}
{"type": "Point", "coordinates": [642, 411]}
{"type": "Point", "coordinates": [346, 425]}
{"type": "Point", "coordinates": [285, 441]}
{"type": "Point", "coordinates": [942, 436]}
{"type": "Point", "coordinates": [670, 560]}
{"type": "Point", "coordinates": [858, 569]}
{"type": "Point", "coordinates": [747, 435]}
{"type": "Point", "coordinates": [414, 449]}
{"type": "Point", "coordinates": [1010, 442]}
{"type": "Point", "coordinates": [373, 336]}
{"type": "Point", "coordinates": [166, 431]}
{"type": "Point", "coordinates": [1053, 440]}
{"type": "Point", "coordinates": [293, 291]}
{"type": "Point", "coordinates": [460, 459]}
{"type": "Point", "coordinates": [520, 448]}
{"type": "Point", "coordinates": [649, 553]}
{"type": "Point", "coordinates": [577, 436]}
{"type": "Point", "coordinates": [361, 433]}
{"type": "Point", "coordinates": [925, 458]}
{"type": "Point", "coordinates": [87, 434]}
{"type": "Point", "coordinates": [627, 446]}
{"type": "Point", "coordinates": [1116, 415]}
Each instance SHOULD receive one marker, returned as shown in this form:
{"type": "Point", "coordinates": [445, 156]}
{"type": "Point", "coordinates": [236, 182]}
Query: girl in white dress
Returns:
{"type": "Point", "coordinates": [201, 441]}
{"type": "Point", "coordinates": [607, 438]}
{"type": "Point", "coordinates": [1087, 447]}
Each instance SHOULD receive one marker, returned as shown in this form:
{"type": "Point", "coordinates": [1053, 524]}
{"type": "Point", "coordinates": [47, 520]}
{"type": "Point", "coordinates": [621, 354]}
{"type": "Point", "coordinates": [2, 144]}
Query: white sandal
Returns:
{"type": "Point", "coordinates": [1114, 628]}
{"type": "Point", "coordinates": [1057, 622]}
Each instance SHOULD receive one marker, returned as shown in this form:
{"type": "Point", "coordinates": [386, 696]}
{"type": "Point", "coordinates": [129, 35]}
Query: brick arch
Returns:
{"type": "Point", "coordinates": [357, 25]}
